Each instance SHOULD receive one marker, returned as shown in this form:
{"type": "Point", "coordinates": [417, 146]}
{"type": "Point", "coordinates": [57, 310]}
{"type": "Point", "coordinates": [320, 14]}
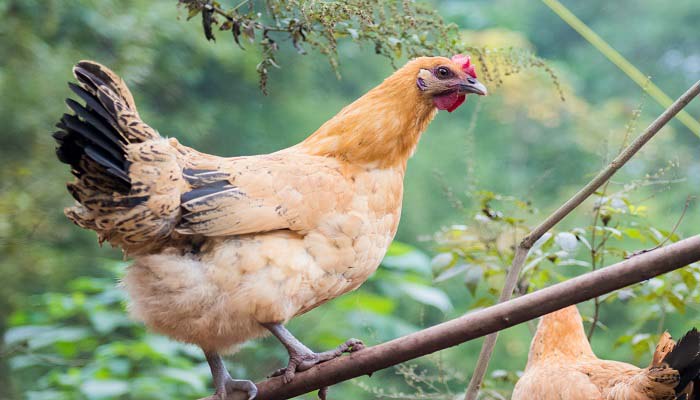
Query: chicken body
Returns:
{"type": "Point", "coordinates": [229, 249]}
{"type": "Point", "coordinates": [562, 365]}
{"type": "Point", "coordinates": [220, 295]}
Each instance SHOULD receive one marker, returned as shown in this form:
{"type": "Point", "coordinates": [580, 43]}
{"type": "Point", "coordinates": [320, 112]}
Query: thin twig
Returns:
{"type": "Point", "coordinates": [524, 247]}
{"type": "Point", "coordinates": [594, 259]}
{"type": "Point", "coordinates": [688, 200]}
{"type": "Point", "coordinates": [600, 249]}
{"type": "Point", "coordinates": [596, 316]}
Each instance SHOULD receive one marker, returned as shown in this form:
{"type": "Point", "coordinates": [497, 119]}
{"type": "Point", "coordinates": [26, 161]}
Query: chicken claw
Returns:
{"type": "Point", "coordinates": [224, 384]}
{"type": "Point", "coordinates": [301, 357]}
{"type": "Point", "coordinates": [301, 361]}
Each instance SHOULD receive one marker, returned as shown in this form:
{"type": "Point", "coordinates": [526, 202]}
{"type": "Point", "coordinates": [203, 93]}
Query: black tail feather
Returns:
{"type": "Point", "coordinates": [88, 78]}
{"type": "Point", "coordinates": [68, 150]}
{"type": "Point", "coordinates": [94, 119]}
{"type": "Point", "coordinates": [92, 103]}
{"type": "Point", "coordinates": [104, 160]}
{"type": "Point", "coordinates": [106, 144]}
{"type": "Point", "coordinates": [88, 132]}
{"type": "Point", "coordinates": [685, 358]}
{"type": "Point", "coordinates": [91, 139]}
{"type": "Point", "coordinates": [696, 389]}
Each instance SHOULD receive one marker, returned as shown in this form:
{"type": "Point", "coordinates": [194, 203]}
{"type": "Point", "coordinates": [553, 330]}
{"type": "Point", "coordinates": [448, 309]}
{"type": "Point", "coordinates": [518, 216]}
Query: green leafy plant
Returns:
{"type": "Point", "coordinates": [82, 345]}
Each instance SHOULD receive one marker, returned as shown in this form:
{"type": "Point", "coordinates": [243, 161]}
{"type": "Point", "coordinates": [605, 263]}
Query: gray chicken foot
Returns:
{"type": "Point", "coordinates": [223, 383]}
{"type": "Point", "coordinates": [302, 358]}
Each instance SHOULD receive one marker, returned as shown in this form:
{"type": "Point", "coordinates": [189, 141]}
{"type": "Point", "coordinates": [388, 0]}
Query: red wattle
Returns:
{"type": "Point", "coordinates": [449, 102]}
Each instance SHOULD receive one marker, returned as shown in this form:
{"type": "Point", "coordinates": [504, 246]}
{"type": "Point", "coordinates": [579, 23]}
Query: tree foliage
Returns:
{"type": "Point", "coordinates": [394, 29]}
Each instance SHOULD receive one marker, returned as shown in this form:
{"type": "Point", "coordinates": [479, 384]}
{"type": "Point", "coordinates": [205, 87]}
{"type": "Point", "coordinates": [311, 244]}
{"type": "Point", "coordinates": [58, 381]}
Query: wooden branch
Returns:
{"type": "Point", "coordinates": [482, 322]}
{"type": "Point", "coordinates": [524, 248]}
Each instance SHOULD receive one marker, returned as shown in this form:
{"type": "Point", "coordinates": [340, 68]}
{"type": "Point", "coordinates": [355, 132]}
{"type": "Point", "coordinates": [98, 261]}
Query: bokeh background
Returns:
{"type": "Point", "coordinates": [480, 177]}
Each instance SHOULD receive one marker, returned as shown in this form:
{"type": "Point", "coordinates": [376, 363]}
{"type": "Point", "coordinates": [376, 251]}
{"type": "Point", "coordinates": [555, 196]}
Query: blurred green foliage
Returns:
{"type": "Point", "coordinates": [481, 177]}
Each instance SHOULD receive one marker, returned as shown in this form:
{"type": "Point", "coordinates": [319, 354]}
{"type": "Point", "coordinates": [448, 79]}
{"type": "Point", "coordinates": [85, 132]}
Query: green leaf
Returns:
{"type": "Point", "coordinates": [397, 248]}
{"type": "Point", "coordinates": [197, 382]}
{"type": "Point", "coordinates": [385, 327]}
{"type": "Point", "coordinates": [451, 272]}
{"type": "Point", "coordinates": [616, 233]}
{"type": "Point", "coordinates": [639, 338]}
{"type": "Point", "coordinates": [193, 13]}
{"type": "Point", "coordinates": [21, 334]}
{"type": "Point", "coordinates": [106, 321]}
{"type": "Point", "coordinates": [473, 277]}
{"type": "Point", "coordinates": [442, 261]}
{"type": "Point", "coordinates": [634, 233]}
{"type": "Point", "coordinates": [583, 240]}
{"type": "Point", "coordinates": [406, 258]}
{"type": "Point", "coordinates": [566, 241]}
{"type": "Point", "coordinates": [25, 361]}
{"type": "Point", "coordinates": [46, 395]}
{"type": "Point", "coordinates": [573, 261]}
{"type": "Point", "coordinates": [499, 374]}
{"type": "Point", "coordinates": [366, 301]}
{"type": "Point", "coordinates": [65, 334]}
{"type": "Point", "coordinates": [624, 339]}
{"type": "Point", "coordinates": [676, 301]}
{"type": "Point", "coordinates": [542, 241]}
{"type": "Point", "coordinates": [97, 389]}
{"type": "Point", "coordinates": [625, 294]}
{"type": "Point", "coordinates": [689, 279]}
{"type": "Point", "coordinates": [427, 295]}
{"type": "Point", "coordinates": [673, 237]}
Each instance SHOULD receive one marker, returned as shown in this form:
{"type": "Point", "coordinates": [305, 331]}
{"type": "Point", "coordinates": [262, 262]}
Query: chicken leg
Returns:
{"type": "Point", "coordinates": [301, 357]}
{"type": "Point", "coordinates": [223, 383]}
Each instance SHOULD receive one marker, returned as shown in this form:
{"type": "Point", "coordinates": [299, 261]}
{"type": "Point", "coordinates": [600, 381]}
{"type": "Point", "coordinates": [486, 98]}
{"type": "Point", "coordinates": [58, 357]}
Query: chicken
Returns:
{"type": "Point", "coordinates": [561, 365]}
{"type": "Point", "coordinates": [230, 249]}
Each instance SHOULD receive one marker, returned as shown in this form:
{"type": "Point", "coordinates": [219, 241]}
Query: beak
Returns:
{"type": "Point", "coordinates": [471, 85]}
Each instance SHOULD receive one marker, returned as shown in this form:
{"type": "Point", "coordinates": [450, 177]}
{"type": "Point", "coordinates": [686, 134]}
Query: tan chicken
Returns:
{"type": "Point", "coordinates": [230, 249]}
{"type": "Point", "coordinates": [561, 365]}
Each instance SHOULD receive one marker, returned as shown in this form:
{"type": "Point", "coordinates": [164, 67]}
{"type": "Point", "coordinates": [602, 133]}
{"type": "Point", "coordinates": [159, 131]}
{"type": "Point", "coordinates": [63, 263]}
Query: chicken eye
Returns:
{"type": "Point", "coordinates": [443, 72]}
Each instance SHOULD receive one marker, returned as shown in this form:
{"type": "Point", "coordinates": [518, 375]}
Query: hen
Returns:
{"type": "Point", "coordinates": [230, 249]}
{"type": "Point", "coordinates": [561, 365]}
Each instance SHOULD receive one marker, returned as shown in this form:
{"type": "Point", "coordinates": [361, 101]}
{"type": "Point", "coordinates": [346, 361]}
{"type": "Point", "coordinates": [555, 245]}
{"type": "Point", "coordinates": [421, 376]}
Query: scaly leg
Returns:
{"type": "Point", "coordinates": [302, 358]}
{"type": "Point", "coordinates": [223, 383]}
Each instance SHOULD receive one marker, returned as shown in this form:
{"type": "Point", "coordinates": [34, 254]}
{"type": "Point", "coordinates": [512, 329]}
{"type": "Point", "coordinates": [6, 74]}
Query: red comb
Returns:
{"type": "Point", "coordinates": [466, 63]}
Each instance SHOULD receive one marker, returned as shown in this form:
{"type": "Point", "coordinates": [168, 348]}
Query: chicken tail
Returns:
{"type": "Point", "coordinates": [685, 358]}
{"type": "Point", "coordinates": [128, 179]}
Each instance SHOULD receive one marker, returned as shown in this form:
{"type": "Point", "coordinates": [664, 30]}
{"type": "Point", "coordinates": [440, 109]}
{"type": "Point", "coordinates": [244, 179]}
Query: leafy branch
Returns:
{"type": "Point", "coordinates": [395, 29]}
